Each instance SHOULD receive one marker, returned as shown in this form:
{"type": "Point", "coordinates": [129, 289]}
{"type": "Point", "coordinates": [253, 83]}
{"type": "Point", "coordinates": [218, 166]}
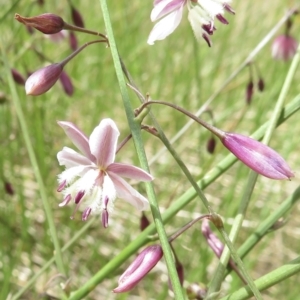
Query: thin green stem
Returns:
{"type": "Point", "coordinates": [34, 163]}
{"type": "Point", "coordinates": [136, 135]}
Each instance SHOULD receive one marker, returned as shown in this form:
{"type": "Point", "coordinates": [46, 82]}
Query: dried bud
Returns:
{"type": "Point", "coordinates": [139, 268]}
{"type": "Point", "coordinates": [257, 156]}
{"type": "Point", "coordinates": [284, 47]}
{"type": "Point", "coordinates": [46, 23]}
{"type": "Point", "coordinates": [211, 145]}
{"type": "Point", "coordinates": [196, 291]}
{"type": "Point", "coordinates": [249, 92]}
{"type": "Point", "coordinates": [8, 188]}
{"type": "Point", "coordinates": [76, 17]}
{"type": "Point", "coordinates": [18, 78]}
{"type": "Point", "coordinates": [73, 41]}
{"type": "Point", "coordinates": [43, 79]}
{"type": "Point", "coordinates": [144, 222]}
{"type": "Point", "coordinates": [261, 85]}
{"type": "Point", "coordinates": [66, 83]}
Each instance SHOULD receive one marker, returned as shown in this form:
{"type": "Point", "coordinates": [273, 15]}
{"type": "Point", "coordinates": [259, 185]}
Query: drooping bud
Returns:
{"type": "Point", "coordinates": [18, 78]}
{"type": "Point", "coordinates": [76, 17]}
{"type": "Point", "coordinates": [257, 156]}
{"type": "Point", "coordinates": [139, 268]}
{"type": "Point", "coordinates": [211, 145]}
{"type": "Point", "coordinates": [284, 47]}
{"type": "Point", "coordinates": [249, 92]}
{"type": "Point", "coordinates": [73, 41]}
{"type": "Point", "coordinates": [43, 79]}
{"type": "Point", "coordinates": [196, 291]}
{"type": "Point", "coordinates": [261, 85]}
{"type": "Point", "coordinates": [8, 188]}
{"type": "Point", "coordinates": [66, 83]}
{"type": "Point", "coordinates": [144, 222]}
{"type": "Point", "coordinates": [46, 23]}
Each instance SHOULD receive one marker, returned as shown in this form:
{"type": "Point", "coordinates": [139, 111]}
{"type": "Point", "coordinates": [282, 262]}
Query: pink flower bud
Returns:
{"type": "Point", "coordinates": [284, 47]}
{"type": "Point", "coordinates": [43, 79]}
{"type": "Point", "coordinates": [18, 78]}
{"type": "Point", "coordinates": [46, 23]}
{"type": "Point", "coordinates": [257, 156]}
{"type": "Point", "coordinates": [66, 83]}
{"type": "Point", "coordinates": [139, 268]}
{"type": "Point", "coordinates": [76, 17]}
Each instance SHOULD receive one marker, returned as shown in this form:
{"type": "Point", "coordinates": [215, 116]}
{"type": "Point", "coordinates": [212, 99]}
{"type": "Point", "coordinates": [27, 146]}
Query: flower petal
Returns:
{"type": "Point", "coordinates": [128, 193]}
{"type": "Point", "coordinates": [78, 138]}
{"type": "Point", "coordinates": [165, 26]}
{"type": "Point", "coordinates": [70, 158]}
{"type": "Point", "coordinates": [162, 8]}
{"type": "Point", "coordinates": [129, 171]}
{"type": "Point", "coordinates": [103, 142]}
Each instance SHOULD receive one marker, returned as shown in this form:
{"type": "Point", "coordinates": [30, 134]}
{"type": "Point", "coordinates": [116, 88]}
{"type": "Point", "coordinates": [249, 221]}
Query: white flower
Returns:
{"type": "Point", "coordinates": [201, 16]}
{"type": "Point", "coordinates": [93, 179]}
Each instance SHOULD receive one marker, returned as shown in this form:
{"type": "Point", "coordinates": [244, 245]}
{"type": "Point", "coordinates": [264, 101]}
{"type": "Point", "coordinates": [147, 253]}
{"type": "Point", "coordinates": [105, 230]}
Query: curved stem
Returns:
{"type": "Point", "coordinates": [84, 30]}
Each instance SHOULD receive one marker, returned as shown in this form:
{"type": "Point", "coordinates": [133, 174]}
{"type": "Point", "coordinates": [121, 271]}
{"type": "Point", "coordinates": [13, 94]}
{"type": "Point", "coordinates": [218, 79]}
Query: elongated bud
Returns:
{"type": "Point", "coordinates": [257, 156]}
{"type": "Point", "coordinates": [211, 145]}
{"type": "Point", "coordinates": [18, 78]}
{"type": "Point", "coordinates": [261, 85]}
{"type": "Point", "coordinates": [66, 83]}
{"type": "Point", "coordinates": [76, 17]}
{"type": "Point", "coordinates": [144, 222]}
{"type": "Point", "coordinates": [43, 79]}
{"type": "Point", "coordinates": [249, 92]}
{"type": "Point", "coordinates": [73, 41]}
{"type": "Point", "coordinates": [139, 268]}
{"type": "Point", "coordinates": [46, 23]}
{"type": "Point", "coordinates": [8, 188]}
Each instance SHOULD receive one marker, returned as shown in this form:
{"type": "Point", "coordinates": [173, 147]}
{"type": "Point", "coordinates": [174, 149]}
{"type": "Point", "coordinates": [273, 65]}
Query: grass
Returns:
{"type": "Point", "coordinates": [178, 70]}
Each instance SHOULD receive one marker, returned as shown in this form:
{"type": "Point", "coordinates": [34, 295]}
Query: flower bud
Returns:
{"type": "Point", "coordinates": [211, 145]}
{"type": "Point", "coordinates": [144, 222]}
{"type": "Point", "coordinates": [261, 85]}
{"type": "Point", "coordinates": [284, 47]}
{"type": "Point", "coordinates": [139, 268]}
{"type": "Point", "coordinates": [249, 92]}
{"type": "Point", "coordinates": [76, 17]}
{"type": "Point", "coordinates": [43, 79]}
{"type": "Point", "coordinates": [8, 188]}
{"type": "Point", "coordinates": [66, 83]}
{"type": "Point", "coordinates": [257, 156]}
{"type": "Point", "coordinates": [18, 78]}
{"type": "Point", "coordinates": [46, 23]}
{"type": "Point", "coordinates": [73, 41]}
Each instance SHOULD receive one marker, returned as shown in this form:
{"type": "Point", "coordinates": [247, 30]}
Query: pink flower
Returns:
{"type": "Point", "coordinates": [201, 16]}
{"type": "Point", "coordinates": [139, 268]}
{"type": "Point", "coordinates": [284, 47]}
{"type": "Point", "coordinates": [257, 156]}
{"type": "Point", "coordinates": [92, 179]}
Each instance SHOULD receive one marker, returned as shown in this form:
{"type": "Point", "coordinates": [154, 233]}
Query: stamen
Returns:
{"type": "Point", "coordinates": [228, 8]}
{"type": "Point", "coordinates": [105, 218]}
{"type": "Point", "coordinates": [207, 40]}
{"type": "Point", "coordinates": [66, 200]}
{"type": "Point", "coordinates": [86, 213]}
{"type": "Point", "coordinates": [79, 196]}
{"type": "Point", "coordinates": [222, 19]}
{"type": "Point", "coordinates": [62, 186]}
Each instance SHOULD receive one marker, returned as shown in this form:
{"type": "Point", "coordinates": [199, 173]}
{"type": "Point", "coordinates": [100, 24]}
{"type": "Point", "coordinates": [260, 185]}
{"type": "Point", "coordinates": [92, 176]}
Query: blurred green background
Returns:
{"type": "Point", "coordinates": [178, 70]}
